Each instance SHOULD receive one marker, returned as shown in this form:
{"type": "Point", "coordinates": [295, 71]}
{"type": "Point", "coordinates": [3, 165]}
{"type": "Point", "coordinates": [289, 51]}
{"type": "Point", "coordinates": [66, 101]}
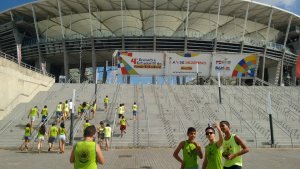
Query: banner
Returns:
{"type": "Point", "coordinates": [298, 67]}
{"type": "Point", "coordinates": [19, 53]}
{"type": "Point", "coordinates": [188, 64]}
{"type": "Point", "coordinates": [140, 63]}
{"type": "Point", "coordinates": [234, 65]}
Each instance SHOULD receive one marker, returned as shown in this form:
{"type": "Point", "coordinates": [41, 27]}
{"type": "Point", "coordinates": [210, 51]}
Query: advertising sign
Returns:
{"type": "Point", "coordinates": [188, 64]}
{"type": "Point", "coordinates": [140, 63]}
{"type": "Point", "coordinates": [234, 65]}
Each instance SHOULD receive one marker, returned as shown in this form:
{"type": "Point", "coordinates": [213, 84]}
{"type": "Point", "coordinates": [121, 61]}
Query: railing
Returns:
{"type": "Point", "coordinates": [275, 122]}
{"type": "Point", "coordinates": [199, 35]}
{"type": "Point", "coordinates": [13, 59]}
{"type": "Point", "coordinates": [260, 82]}
{"type": "Point", "coordinates": [146, 117]}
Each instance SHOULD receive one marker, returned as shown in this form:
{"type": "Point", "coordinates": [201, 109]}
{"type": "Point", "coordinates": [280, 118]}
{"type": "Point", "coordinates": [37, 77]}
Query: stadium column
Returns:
{"type": "Point", "coordinates": [66, 58]}
{"type": "Point", "coordinates": [41, 60]}
{"type": "Point", "coordinates": [17, 36]}
{"type": "Point", "coordinates": [93, 50]}
{"type": "Point", "coordinates": [266, 45]}
{"type": "Point", "coordinates": [244, 28]}
{"type": "Point", "coordinates": [94, 62]}
{"type": "Point", "coordinates": [183, 80]}
{"type": "Point", "coordinates": [284, 50]}
{"type": "Point", "coordinates": [154, 50]}
{"type": "Point", "coordinates": [178, 80]}
{"type": "Point", "coordinates": [154, 36]}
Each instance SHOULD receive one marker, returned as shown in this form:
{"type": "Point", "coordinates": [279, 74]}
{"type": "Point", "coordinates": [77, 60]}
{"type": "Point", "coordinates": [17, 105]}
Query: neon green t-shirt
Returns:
{"type": "Point", "coordinates": [231, 147]}
{"type": "Point", "coordinates": [85, 155]}
{"type": "Point", "coordinates": [27, 131]}
{"type": "Point", "coordinates": [107, 132]}
{"type": "Point", "coordinates": [134, 107]}
{"type": "Point", "coordinates": [190, 155]}
{"type": "Point", "coordinates": [123, 122]}
{"type": "Point", "coordinates": [34, 111]}
{"type": "Point", "coordinates": [86, 125]}
{"type": "Point", "coordinates": [106, 100]}
{"type": "Point", "coordinates": [44, 112]}
{"type": "Point", "coordinates": [62, 131]}
{"type": "Point", "coordinates": [214, 156]}
{"type": "Point", "coordinates": [53, 131]}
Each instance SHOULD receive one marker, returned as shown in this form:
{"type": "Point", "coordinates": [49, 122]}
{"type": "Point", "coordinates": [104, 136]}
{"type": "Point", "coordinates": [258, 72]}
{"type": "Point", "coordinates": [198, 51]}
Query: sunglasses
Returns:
{"type": "Point", "coordinates": [209, 133]}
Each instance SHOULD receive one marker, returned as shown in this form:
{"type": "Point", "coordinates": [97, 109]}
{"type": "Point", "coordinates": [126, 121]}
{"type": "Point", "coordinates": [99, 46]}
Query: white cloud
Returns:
{"type": "Point", "coordinates": [283, 3]}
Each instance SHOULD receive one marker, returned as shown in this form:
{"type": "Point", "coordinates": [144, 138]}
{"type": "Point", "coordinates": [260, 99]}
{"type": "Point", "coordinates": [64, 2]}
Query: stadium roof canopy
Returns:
{"type": "Point", "coordinates": [144, 17]}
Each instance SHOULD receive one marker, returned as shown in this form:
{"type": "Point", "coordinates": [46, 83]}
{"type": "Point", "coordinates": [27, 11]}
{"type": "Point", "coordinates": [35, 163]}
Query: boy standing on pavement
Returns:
{"type": "Point", "coordinates": [86, 153]}
{"type": "Point", "coordinates": [213, 151]}
{"type": "Point", "coordinates": [191, 149]}
{"type": "Point", "coordinates": [233, 148]}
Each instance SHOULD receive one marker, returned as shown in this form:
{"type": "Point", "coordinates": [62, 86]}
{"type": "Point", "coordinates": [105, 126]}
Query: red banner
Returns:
{"type": "Point", "coordinates": [298, 67]}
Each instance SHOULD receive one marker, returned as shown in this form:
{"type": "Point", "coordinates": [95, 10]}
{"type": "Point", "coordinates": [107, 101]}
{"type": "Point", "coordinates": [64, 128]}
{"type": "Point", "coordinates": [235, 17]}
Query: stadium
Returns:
{"type": "Point", "coordinates": [238, 60]}
{"type": "Point", "coordinates": [80, 34]}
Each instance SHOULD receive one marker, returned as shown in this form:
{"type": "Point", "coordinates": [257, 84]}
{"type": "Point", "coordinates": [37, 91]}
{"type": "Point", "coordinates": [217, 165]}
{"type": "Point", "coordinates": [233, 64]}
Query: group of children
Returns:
{"type": "Point", "coordinates": [53, 133]}
{"type": "Point", "coordinates": [62, 113]}
{"type": "Point", "coordinates": [230, 147]}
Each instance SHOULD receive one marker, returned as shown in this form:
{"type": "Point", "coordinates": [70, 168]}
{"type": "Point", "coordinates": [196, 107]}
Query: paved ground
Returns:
{"type": "Point", "coordinates": [152, 158]}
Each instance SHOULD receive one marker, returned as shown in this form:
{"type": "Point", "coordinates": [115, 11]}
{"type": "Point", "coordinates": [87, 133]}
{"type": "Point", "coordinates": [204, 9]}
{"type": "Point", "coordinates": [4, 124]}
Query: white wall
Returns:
{"type": "Point", "coordinates": [18, 84]}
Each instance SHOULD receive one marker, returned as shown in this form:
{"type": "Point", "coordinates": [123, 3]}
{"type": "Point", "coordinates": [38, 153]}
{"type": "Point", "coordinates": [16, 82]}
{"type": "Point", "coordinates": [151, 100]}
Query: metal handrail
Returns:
{"type": "Point", "coordinates": [13, 59]}
{"type": "Point", "coordinates": [276, 122]}
{"type": "Point", "coordinates": [146, 116]}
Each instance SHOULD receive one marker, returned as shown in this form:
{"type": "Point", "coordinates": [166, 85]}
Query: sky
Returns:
{"type": "Point", "coordinates": [290, 5]}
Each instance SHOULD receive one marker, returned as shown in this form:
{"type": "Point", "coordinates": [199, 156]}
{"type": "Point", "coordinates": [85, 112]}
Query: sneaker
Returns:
{"type": "Point", "coordinates": [49, 149]}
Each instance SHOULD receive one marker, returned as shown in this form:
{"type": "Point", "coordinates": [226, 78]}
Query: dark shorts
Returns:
{"type": "Point", "coordinates": [51, 139]}
{"type": "Point", "coordinates": [120, 115]}
{"type": "Point", "coordinates": [44, 118]}
{"type": "Point", "coordinates": [58, 114]}
{"type": "Point", "coordinates": [100, 135]}
{"type": "Point", "coordinates": [134, 113]}
{"type": "Point", "coordinates": [123, 127]}
{"type": "Point", "coordinates": [27, 138]}
{"type": "Point", "coordinates": [233, 167]}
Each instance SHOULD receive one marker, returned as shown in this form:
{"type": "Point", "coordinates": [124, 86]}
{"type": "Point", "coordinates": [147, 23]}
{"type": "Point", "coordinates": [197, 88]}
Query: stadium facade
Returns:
{"type": "Point", "coordinates": [70, 34]}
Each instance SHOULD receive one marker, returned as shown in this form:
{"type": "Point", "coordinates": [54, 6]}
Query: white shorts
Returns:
{"type": "Point", "coordinates": [62, 137]}
{"type": "Point", "coordinates": [32, 118]}
{"type": "Point", "coordinates": [41, 138]}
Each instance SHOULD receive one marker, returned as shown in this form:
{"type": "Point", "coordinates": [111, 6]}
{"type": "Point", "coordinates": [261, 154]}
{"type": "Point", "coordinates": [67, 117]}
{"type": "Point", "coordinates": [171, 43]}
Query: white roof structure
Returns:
{"type": "Point", "coordinates": [101, 18]}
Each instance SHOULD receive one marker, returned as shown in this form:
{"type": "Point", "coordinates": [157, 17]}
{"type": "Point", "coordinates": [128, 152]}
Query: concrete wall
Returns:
{"type": "Point", "coordinates": [18, 84]}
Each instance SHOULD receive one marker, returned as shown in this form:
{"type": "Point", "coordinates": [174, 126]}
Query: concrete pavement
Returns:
{"type": "Point", "coordinates": [148, 158]}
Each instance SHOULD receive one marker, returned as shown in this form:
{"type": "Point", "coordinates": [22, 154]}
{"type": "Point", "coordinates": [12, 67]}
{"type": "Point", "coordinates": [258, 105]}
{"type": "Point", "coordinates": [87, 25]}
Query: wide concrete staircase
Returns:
{"type": "Point", "coordinates": [166, 111]}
